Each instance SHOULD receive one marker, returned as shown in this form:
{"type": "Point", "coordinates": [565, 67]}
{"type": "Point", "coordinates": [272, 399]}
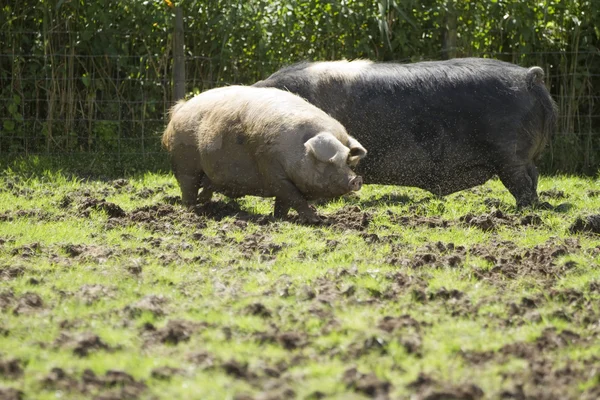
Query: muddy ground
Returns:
{"type": "Point", "coordinates": [389, 297]}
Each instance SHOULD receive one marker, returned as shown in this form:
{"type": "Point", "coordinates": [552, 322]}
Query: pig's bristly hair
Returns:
{"type": "Point", "coordinates": [169, 131]}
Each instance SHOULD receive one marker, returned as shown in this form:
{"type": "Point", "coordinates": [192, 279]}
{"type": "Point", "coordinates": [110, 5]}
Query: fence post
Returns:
{"type": "Point", "coordinates": [449, 37]}
{"type": "Point", "coordinates": [178, 57]}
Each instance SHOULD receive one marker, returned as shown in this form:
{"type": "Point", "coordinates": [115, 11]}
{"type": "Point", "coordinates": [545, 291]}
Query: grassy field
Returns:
{"type": "Point", "coordinates": [110, 289]}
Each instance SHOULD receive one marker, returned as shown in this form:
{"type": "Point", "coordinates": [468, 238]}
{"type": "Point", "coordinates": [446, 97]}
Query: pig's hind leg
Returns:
{"type": "Point", "coordinates": [207, 191]}
{"type": "Point", "coordinates": [189, 186]}
{"type": "Point", "coordinates": [185, 161]}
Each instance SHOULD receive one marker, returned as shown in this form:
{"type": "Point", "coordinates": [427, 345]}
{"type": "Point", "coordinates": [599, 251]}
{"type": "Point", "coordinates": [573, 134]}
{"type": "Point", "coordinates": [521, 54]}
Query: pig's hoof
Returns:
{"type": "Point", "coordinates": [543, 205]}
{"type": "Point", "coordinates": [310, 219]}
{"type": "Point", "coordinates": [563, 208]}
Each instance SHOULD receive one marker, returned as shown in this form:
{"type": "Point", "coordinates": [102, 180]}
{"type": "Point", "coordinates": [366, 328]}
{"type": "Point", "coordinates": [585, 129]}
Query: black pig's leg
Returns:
{"type": "Point", "coordinates": [521, 182]}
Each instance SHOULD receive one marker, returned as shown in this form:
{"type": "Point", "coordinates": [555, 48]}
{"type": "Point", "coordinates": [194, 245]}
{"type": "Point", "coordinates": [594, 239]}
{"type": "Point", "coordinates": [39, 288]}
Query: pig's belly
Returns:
{"type": "Point", "coordinates": [234, 176]}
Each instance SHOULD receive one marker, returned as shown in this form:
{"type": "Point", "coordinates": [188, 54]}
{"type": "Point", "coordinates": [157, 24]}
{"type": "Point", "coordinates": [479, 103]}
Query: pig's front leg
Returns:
{"type": "Point", "coordinates": [288, 196]}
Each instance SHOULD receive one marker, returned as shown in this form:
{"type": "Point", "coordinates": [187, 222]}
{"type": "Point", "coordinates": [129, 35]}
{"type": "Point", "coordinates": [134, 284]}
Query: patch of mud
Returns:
{"type": "Point", "coordinates": [217, 210]}
{"type": "Point", "coordinates": [437, 255]}
{"type": "Point", "coordinates": [9, 272]}
{"type": "Point", "coordinates": [160, 218]}
{"type": "Point", "coordinates": [27, 250]}
{"type": "Point", "coordinates": [166, 373]}
{"type": "Point", "coordinates": [99, 254]}
{"type": "Point", "coordinates": [145, 193]}
{"type": "Point", "coordinates": [153, 213]}
{"type": "Point", "coordinates": [486, 222]}
{"type": "Point", "coordinates": [589, 224]}
{"type": "Point", "coordinates": [541, 380]}
{"type": "Point", "coordinates": [511, 262]}
{"type": "Point", "coordinates": [174, 332]}
{"type": "Point", "coordinates": [288, 340]}
{"type": "Point", "coordinates": [58, 379]}
{"type": "Point", "coordinates": [151, 303]}
{"type": "Point", "coordinates": [201, 359]}
{"type": "Point", "coordinates": [553, 194]}
{"type": "Point", "coordinates": [7, 299]}
{"type": "Point", "coordinates": [116, 384]}
{"type": "Point", "coordinates": [367, 384]}
{"type": "Point", "coordinates": [418, 221]}
{"type": "Point", "coordinates": [428, 388]}
{"type": "Point", "coordinates": [238, 369]}
{"type": "Point", "coordinates": [262, 244]}
{"type": "Point", "coordinates": [11, 369]}
{"type": "Point", "coordinates": [35, 214]}
{"type": "Point", "coordinates": [119, 183]}
{"type": "Point", "coordinates": [90, 294]}
{"type": "Point", "coordinates": [445, 294]}
{"type": "Point", "coordinates": [392, 324]}
{"type": "Point", "coordinates": [11, 394]}
{"type": "Point", "coordinates": [258, 309]}
{"type": "Point", "coordinates": [406, 330]}
{"type": "Point", "coordinates": [81, 344]}
{"type": "Point", "coordinates": [89, 204]}
{"type": "Point", "coordinates": [292, 340]}
{"type": "Point", "coordinates": [477, 357]}
{"type": "Point", "coordinates": [348, 218]}
{"type": "Point", "coordinates": [29, 303]}
{"type": "Point", "coordinates": [549, 341]}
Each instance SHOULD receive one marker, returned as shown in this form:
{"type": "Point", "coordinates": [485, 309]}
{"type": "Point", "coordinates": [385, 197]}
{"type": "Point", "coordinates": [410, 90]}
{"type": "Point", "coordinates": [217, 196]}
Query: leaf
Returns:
{"type": "Point", "coordinates": [86, 80]}
{"type": "Point", "coordinates": [9, 125]}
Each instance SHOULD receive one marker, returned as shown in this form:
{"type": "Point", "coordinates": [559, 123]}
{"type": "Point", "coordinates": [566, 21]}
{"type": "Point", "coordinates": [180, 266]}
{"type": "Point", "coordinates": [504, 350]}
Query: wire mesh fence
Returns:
{"type": "Point", "coordinates": [58, 98]}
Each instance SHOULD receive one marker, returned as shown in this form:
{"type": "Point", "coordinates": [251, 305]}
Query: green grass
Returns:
{"type": "Point", "coordinates": [246, 283]}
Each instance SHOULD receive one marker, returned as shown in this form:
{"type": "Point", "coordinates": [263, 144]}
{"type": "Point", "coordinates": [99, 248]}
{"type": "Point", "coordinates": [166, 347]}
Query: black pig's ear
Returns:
{"type": "Point", "coordinates": [327, 148]}
{"type": "Point", "coordinates": [357, 152]}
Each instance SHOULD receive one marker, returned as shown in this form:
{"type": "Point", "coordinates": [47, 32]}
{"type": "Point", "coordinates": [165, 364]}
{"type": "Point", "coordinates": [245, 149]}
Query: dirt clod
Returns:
{"type": "Point", "coordinates": [428, 388]}
{"type": "Point", "coordinates": [291, 340]}
{"type": "Point", "coordinates": [166, 373]}
{"type": "Point", "coordinates": [81, 344]}
{"type": "Point", "coordinates": [237, 369]}
{"type": "Point", "coordinates": [11, 369]}
{"type": "Point", "coordinates": [151, 303]}
{"type": "Point", "coordinates": [10, 394]}
{"type": "Point", "coordinates": [484, 222]}
{"type": "Point", "coordinates": [92, 293]}
{"type": "Point", "coordinates": [28, 303]}
{"type": "Point", "coordinates": [367, 384]}
{"type": "Point", "coordinates": [174, 332]}
{"type": "Point", "coordinates": [114, 384]}
{"type": "Point", "coordinates": [391, 324]}
{"type": "Point", "coordinates": [589, 224]}
{"type": "Point", "coordinates": [111, 209]}
{"type": "Point", "coordinates": [467, 392]}
{"type": "Point", "coordinates": [258, 309]}
{"type": "Point", "coordinates": [58, 379]}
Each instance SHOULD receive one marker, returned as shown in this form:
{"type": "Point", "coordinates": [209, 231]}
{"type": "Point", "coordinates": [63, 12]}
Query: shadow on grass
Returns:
{"type": "Point", "coordinates": [86, 166]}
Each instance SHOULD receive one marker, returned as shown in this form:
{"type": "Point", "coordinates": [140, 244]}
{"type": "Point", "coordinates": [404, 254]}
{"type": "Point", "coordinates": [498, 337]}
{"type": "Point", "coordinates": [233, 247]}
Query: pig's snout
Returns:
{"type": "Point", "coordinates": [356, 183]}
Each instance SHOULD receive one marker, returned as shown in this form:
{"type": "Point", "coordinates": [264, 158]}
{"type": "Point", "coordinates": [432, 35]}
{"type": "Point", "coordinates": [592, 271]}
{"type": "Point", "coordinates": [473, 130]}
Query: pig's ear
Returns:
{"type": "Point", "coordinates": [326, 148]}
{"type": "Point", "coordinates": [357, 152]}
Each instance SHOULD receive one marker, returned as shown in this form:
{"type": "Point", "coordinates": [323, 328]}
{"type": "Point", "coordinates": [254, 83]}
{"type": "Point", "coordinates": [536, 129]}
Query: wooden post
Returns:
{"type": "Point", "coordinates": [178, 57]}
{"type": "Point", "coordinates": [449, 39]}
